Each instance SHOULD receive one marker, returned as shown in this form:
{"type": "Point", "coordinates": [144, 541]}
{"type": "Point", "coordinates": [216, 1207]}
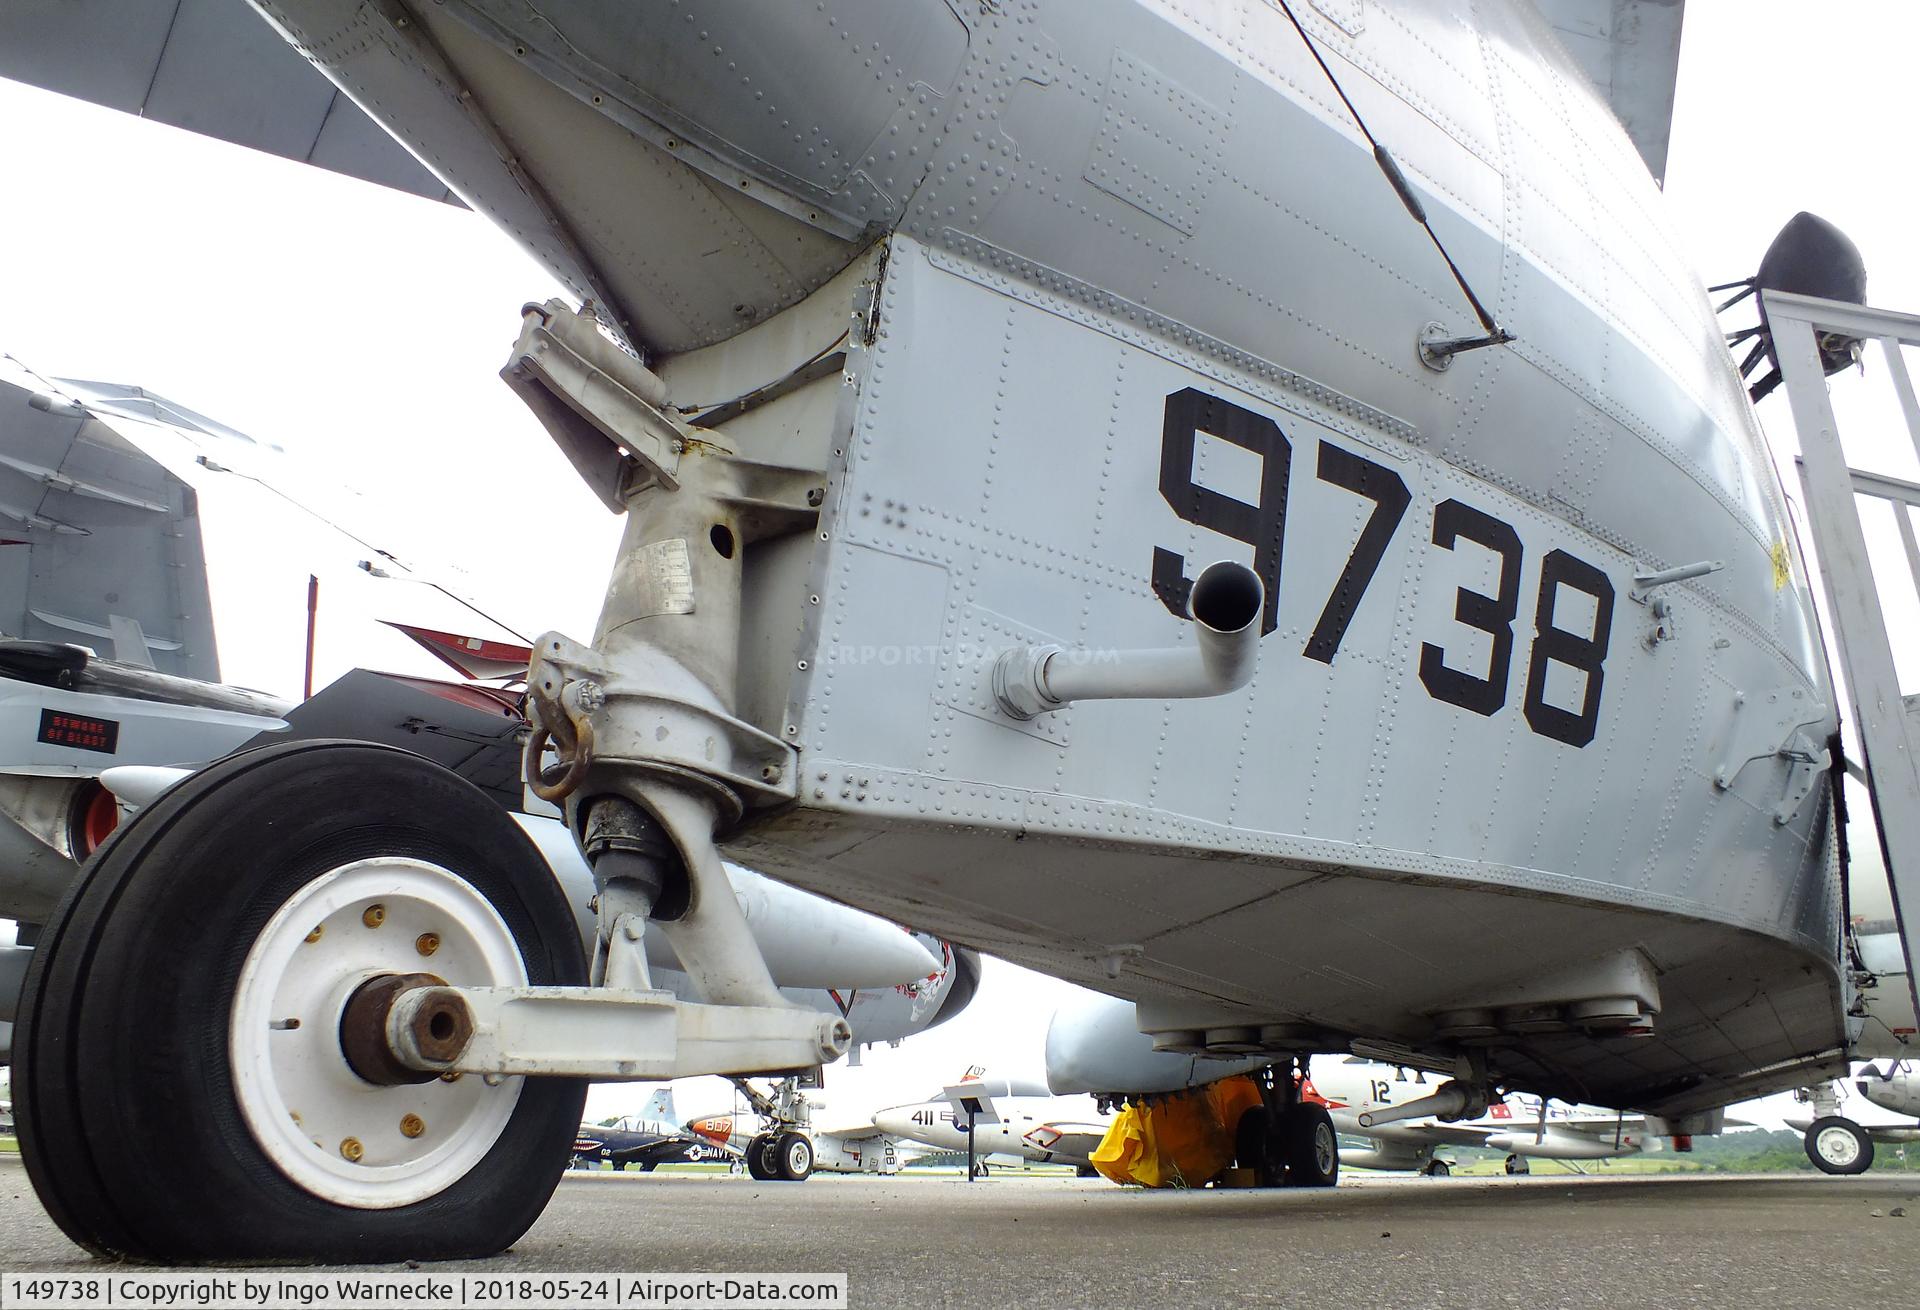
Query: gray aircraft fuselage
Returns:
{"type": "Point", "coordinates": [1119, 290]}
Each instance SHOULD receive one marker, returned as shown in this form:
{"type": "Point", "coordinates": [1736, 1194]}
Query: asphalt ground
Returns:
{"type": "Point", "coordinates": [1775, 1241]}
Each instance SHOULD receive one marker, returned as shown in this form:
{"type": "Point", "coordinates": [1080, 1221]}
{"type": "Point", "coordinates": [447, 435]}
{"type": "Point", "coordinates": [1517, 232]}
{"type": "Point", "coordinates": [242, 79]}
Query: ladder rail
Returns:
{"type": "Point", "coordinates": [1902, 497]}
{"type": "Point", "coordinates": [1859, 623]}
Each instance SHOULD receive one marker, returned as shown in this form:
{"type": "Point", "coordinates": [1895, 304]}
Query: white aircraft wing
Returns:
{"type": "Point", "coordinates": [853, 1136]}
{"type": "Point", "coordinates": [1893, 1134]}
{"type": "Point", "coordinates": [1430, 1132]}
{"type": "Point", "coordinates": [1078, 1141]}
{"type": "Point", "coordinates": [850, 1129]}
{"type": "Point", "coordinates": [1594, 1127]}
{"type": "Point", "coordinates": [1882, 1134]}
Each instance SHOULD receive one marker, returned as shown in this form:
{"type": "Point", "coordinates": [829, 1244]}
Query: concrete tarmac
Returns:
{"type": "Point", "coordinates": [1673, 1241]}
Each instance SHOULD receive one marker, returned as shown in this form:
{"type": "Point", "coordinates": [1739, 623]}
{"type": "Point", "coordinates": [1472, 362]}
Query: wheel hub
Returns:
{"type": "Point", "coordinates": [1326, 1147]}
{"type": "Point", "coordinates": [363, 1029]}
{"type": "Point", "coordinates": [315, 1079]}
{"type": "Point", "coordinates": [1837, 1146]}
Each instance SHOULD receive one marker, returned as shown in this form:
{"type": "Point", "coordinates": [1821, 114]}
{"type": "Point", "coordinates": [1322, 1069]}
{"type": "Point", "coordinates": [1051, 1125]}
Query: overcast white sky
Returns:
{"type": "Point", "coordinates": [363, 330]}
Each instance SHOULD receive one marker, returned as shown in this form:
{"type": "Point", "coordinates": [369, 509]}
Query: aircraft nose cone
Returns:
{"type": "Point", "coordinates": [706, 1128]}
{"type": "Point", "coordinates": [894, 1122]}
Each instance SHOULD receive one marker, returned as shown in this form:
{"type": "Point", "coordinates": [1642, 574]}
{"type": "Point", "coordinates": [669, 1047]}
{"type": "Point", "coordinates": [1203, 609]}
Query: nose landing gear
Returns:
{"type": "Point", "coordinates": [193, 1002]}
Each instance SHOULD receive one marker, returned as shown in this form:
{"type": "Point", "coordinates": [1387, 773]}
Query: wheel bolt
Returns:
{"type": "Point", "coordinates": [374, 915]}
{"type": "Point", "coordinates": [427, 943]}
{"type": "Point", "coordinates": [412, 1126]}
{"type": "Point", "coordinates": [352, 1150]}
{"type": "Point", "coordinates": [450, 1076]}
{"type": "Point", "coordinates": [314, 936]}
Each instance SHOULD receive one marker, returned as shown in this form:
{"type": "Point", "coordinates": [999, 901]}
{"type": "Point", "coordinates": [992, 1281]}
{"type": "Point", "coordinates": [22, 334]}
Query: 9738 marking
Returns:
{"type": "Point", "coordinates": [1263, 526]}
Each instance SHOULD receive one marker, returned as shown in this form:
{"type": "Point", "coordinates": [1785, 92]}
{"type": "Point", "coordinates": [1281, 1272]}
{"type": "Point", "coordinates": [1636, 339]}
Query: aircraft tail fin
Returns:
{"type": "Point", "coordinates": [659, 1107]}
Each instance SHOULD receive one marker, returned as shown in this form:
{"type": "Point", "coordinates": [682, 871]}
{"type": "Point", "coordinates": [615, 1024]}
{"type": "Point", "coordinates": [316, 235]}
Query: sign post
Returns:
{"type": "Point", "coordinates": [971, 1099]}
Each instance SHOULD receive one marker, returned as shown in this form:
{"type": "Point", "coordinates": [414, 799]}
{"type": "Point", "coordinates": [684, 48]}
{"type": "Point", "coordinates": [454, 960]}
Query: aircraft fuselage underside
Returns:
{"type": "Point", "coordinates": [1462, 764]}
{"type": "Point", "coordinates": [1127, 296]}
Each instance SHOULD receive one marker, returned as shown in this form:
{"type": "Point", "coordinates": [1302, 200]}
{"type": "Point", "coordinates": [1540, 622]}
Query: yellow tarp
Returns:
{"type": "Point", "coordinates": [1184, 1141]}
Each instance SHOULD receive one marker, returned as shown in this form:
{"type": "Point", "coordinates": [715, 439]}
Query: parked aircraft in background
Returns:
{"type": "Point", "coordinates": [1220, 503]}
{"type": "Point", "coordinates": [804, 1138]}
{"type": "Point", "coordinates": [1895, 1087]}
{"type": "Point", "coordinates": [628, 1142]}
{"type": "Point", "coordinates": [646, 1140]}
{"type": "Point", "coordinates": [1357, 1092]}
{"type": "Point", "coordinates": [1837, 1142]}
{"type": "Point", "coordinates": [1032, 1124]}
{"type": "Point", "coordinates": [1094, 1046]}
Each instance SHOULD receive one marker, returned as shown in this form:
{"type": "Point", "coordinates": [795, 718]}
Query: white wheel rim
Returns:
{"type": "Point", "coordinates": [335, 1135]}
{"type": "Point", "coordinates": [799, 1156]}
{"type": "Point", "coordinates": [1325, 1149]}
{"type": "Point", "coordinates": [1837, 1146]}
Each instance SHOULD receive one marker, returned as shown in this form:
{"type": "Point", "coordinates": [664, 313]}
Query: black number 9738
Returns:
{"type": "Point", "coordinates": [1263, 526]}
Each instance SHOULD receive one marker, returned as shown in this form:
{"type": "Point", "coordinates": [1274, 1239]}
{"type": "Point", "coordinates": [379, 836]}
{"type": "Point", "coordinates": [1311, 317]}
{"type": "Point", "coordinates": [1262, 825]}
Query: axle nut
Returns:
{"type": "Point", "coordinates": [441, 1027]}
{"type": "Point", "coordinates": [363, 1029]}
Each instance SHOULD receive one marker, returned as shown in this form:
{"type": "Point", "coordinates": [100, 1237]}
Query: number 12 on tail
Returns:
{"type": "Point", "coordinates": [1456, 526]}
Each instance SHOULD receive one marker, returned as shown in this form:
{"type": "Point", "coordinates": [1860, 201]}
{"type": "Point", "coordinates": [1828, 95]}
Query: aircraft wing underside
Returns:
{"type": "Point", "coordinates": [210, 66]}
{"type": "Point", "coordinates": [219, 68]}
{"type": "Point", "coordinates": [154, 61]}
{"type": "Point", "coordinates": [1630, 50]}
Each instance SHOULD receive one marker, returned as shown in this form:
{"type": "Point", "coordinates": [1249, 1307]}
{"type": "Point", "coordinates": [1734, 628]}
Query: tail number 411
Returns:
{"type": "Point", "coordinates": [1263, 526]}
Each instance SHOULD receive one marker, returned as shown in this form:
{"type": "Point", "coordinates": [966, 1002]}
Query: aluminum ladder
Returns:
{"type": "Point", "coordinates": [1888, 725]}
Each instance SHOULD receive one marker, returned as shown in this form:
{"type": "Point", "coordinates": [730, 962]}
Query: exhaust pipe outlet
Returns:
{"type": "Point", "coordinates": [1454, 1100]}
{"type": "Point", "coordinates": [1225, 604]}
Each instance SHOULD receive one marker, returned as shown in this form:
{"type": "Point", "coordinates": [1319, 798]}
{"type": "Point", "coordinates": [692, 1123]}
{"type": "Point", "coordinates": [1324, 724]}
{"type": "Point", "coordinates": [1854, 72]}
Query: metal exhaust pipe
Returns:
{"type": "Point", "coordinates": [1225, 604]}
{"type": "Point", "coordinates": [1454, 1100]}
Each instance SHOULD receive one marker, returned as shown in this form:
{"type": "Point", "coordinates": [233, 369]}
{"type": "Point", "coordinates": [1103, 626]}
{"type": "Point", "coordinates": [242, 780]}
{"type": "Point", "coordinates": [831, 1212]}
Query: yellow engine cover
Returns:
{"type": "Point", "coordinates": [1184, 1141]}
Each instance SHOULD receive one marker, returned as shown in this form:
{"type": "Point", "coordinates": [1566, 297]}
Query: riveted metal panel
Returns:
{"type": "Point", "coordinates": [1357, 758]}
{"type": "Point", "coordinates": [1305, 846]}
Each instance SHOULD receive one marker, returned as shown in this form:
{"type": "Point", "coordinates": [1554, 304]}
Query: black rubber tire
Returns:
{"type": "Point", "coordinates": [619, 1166]}
{"type": "Point", "coordinates": [128, 1122]}
{"type": "Point", "coordinates": [1255, 1148]}
{"type": "Point", "coordinates": [1436, 1169]}
{"type": "Point", "coordinates": [1313, 1150]}
{"type": "Point", "coordinates": [1862, 1162]}
{"type": "Point", "coordinates": [1518, 1167]}
{"type": "Point", "coordinates": [760, 1162]}
{"type": "Point", "coordinates": [793, 1156]}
